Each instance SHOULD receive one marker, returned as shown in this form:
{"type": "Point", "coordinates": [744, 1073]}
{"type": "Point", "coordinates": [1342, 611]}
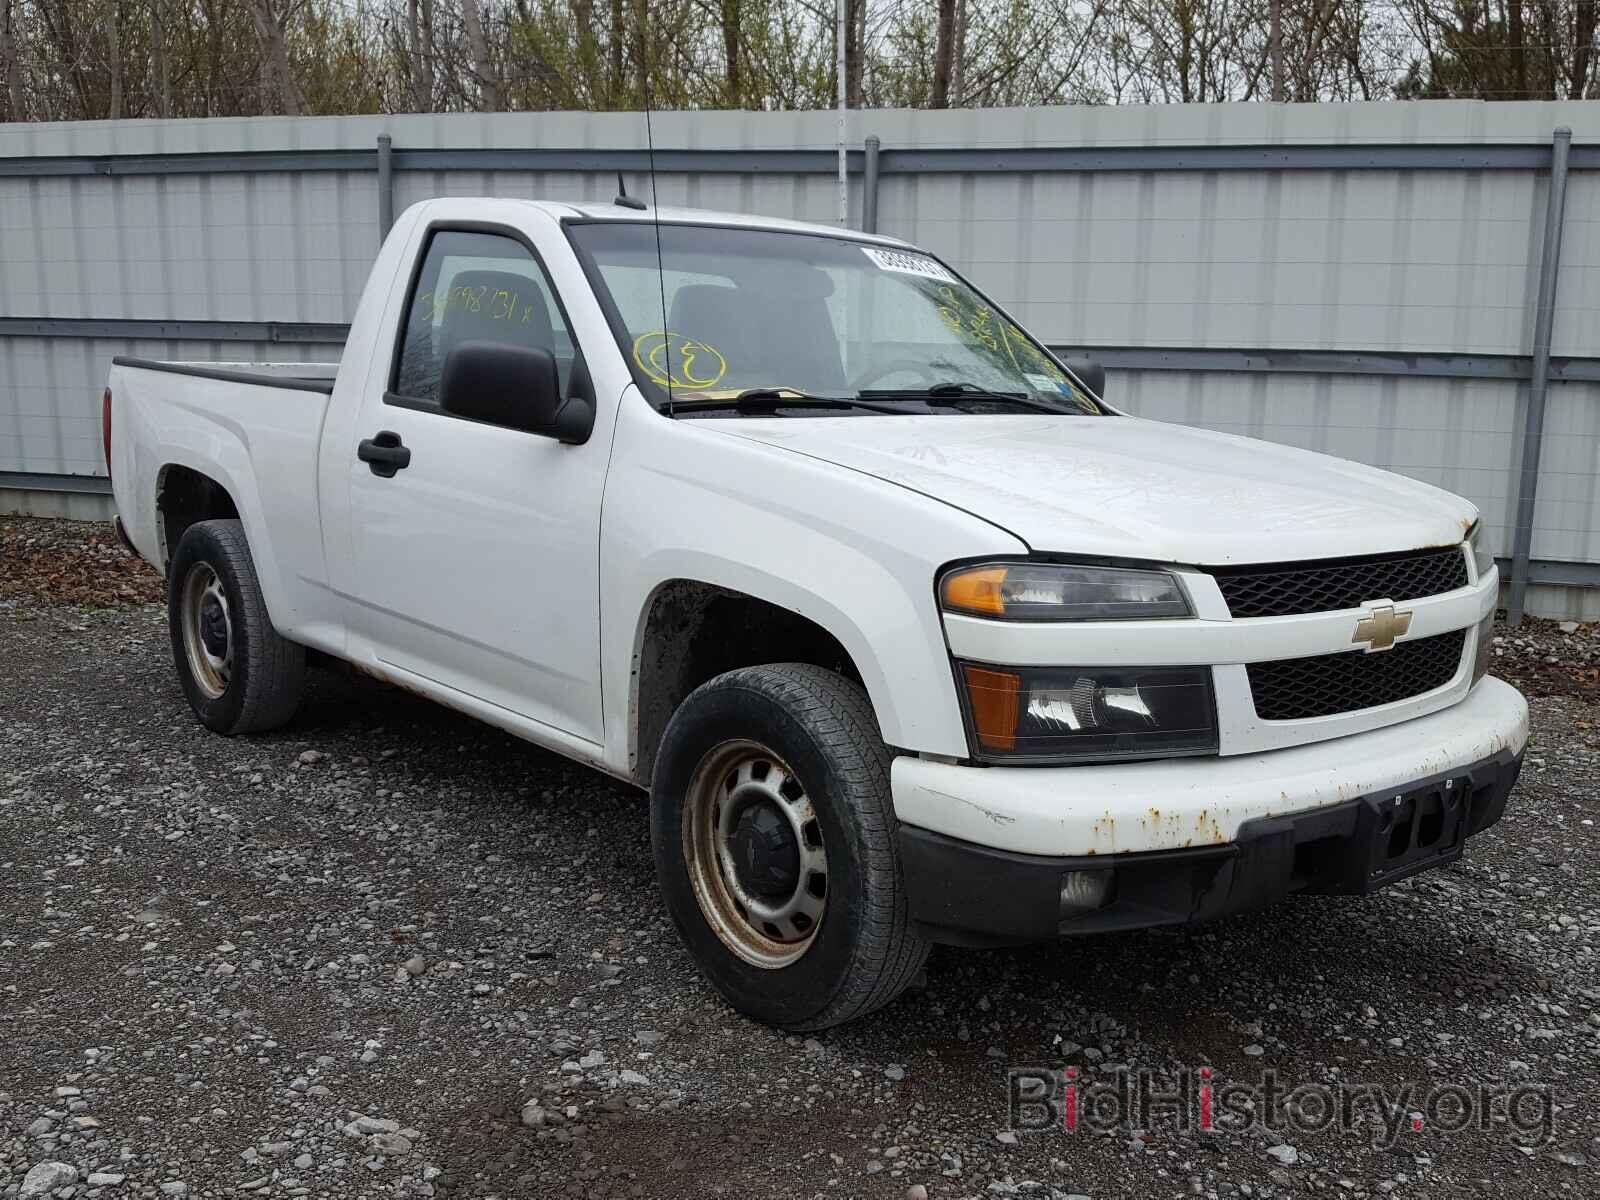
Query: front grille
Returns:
{"type": "Point", "coordinates": [1295, 689]}
{"type": "Point", "coordinates": [1283, 589]}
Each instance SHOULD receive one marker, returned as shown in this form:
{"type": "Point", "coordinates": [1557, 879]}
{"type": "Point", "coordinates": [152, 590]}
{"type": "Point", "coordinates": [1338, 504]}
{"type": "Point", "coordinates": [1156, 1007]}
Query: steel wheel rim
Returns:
{"type": "Point", "coordinates": [765, 930]}
{"type": "Point", "coordinates": [207, 630]}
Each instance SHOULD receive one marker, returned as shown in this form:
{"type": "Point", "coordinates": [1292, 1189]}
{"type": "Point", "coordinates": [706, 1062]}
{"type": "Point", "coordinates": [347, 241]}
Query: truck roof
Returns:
{"type": "Point", "coordinates": [609, 211]}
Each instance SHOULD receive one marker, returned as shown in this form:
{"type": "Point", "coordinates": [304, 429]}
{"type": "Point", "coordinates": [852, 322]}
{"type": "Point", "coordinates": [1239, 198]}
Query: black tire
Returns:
{"type": "Point", "coordinates": [266, 672]}
{"type": "Point", "coordinates": [820, 727]}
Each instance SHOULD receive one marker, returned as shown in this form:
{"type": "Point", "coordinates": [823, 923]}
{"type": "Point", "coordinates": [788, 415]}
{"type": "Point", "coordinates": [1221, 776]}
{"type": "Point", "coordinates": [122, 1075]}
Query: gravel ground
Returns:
{"type": "Point", "coordinates": [388, 951]}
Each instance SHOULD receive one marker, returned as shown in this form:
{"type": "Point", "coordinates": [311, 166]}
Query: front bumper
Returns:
{"type": "Point", "coordinates": [968, 894]}
{"type": "Point", "coordinates": [1172, 804]}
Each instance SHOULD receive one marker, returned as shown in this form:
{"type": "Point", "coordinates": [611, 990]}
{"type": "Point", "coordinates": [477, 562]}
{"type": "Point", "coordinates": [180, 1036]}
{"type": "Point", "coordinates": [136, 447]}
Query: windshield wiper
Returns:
{"type": "Point", "coordinates": [961, 387]}
{"type": "Point", "coordinates": [766, 398]}
{"type": "Point", "coordinates": [947, 392]}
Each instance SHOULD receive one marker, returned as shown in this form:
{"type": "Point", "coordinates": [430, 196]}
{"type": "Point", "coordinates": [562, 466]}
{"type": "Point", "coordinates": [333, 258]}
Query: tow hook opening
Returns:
{"type": "Point", "coordinates": [1085, 891]}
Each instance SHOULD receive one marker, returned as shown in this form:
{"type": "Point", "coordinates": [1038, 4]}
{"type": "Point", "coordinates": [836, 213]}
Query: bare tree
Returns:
{"type": "Point", "coordinates": [11, 62]}
{"type": "Point", "coordinates": [482, 66]}
{"type": "Point", "coordinates": [944, 53]}
{"type": "Point", "coordinates": [420, 92]}
{"type": "Point", "coordinates": [89, 59]}
{"type": "Point", "coordinates": [1311, 59]}
{"type": "Point", "coordinates": [618, 33]}
{"type": "Point", "coordinates": [730, 52]}
{"type": "Point", "coordinates": [70, 52]}
{"type": "Point", "coordinates": [158, 59]}
{"type": "Point", "coordinates": [276, 71]}
{"type": "Point", "coordinates": [420, 51]}
{"type": "Point", "coordinates": [958, 59]}
{"type": "Point", "coordinates": [855, 39]}
{"type": "Point", "coordinates": [641, 53]}
{"type": "Point", "coordinates": [1538, 50]}
{"type": "Point", "coordinates": [1583, 31]}
{"type": "Point", "coordinates": [114, 59]}
{"type": "Point", "coordinates": [1514, 39]}
{"type": "Point", "coordinates": [1275, 44]}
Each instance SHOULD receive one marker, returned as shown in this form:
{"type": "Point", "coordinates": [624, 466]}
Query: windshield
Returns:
{"type": "Point", "coordinates": [752, 311]}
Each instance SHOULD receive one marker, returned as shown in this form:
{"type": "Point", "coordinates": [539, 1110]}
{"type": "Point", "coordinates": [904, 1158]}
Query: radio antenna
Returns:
{"type": "Point", "coordinates": [655, 219]}
{"type": "Point", "coordinates": [624, 200]}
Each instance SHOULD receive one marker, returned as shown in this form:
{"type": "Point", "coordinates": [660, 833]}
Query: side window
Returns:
{"type": "Point", "coordinates": [475, 287]}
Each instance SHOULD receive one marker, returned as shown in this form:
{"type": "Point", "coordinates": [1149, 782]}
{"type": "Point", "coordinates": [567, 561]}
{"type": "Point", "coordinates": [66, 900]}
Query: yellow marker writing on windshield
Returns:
{"type": "Point", "coordinates": [671, 358]}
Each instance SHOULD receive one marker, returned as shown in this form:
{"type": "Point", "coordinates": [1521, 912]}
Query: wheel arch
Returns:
{"type": "Point", "coordinates": [691, 630]}
{"type": "Point", "coordinates": [215, 483]}
{"type": "Point", "coordinates": [185, 496]}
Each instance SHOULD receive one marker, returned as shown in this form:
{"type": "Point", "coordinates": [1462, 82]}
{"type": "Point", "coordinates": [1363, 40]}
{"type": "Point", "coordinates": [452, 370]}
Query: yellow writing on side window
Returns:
{"type": "Point", "coordinates": [500, 305]}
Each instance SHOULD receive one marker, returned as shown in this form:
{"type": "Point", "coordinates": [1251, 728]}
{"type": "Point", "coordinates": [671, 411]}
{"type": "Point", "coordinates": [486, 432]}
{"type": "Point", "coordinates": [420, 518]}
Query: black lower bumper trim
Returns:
{"type": "Point", "coordinates": [967, 894]}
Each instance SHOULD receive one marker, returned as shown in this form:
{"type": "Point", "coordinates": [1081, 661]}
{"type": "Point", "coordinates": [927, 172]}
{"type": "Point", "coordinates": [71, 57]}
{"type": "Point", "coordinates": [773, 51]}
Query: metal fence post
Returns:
{"type": "Point", "coordinates": [1539, 381]}
{"type": "Point", "coordinates": [385, 186]}
{"type": "Point", "coordinates": [869, 188]}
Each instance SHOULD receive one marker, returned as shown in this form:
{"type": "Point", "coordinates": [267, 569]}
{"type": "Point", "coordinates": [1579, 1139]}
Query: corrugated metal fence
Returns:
{"type": "Point", "coordinates": [1359, 279]}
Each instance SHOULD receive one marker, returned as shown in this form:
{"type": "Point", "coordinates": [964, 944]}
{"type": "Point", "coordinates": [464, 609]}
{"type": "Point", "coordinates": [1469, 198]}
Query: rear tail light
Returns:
{"type": "Point", "coordinates": [105, 427]}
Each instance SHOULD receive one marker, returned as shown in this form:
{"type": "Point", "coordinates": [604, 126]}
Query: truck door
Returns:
{"type": "Point", "coordinates": [475, 546]}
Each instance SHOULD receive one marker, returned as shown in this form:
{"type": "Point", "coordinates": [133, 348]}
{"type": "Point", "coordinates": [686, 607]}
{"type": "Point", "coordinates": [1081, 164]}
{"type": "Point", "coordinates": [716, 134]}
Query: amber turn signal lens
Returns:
{"type": "Point", "coordinates": [976, 591]}
{"type": "Point", "coordinates": [995, 697]}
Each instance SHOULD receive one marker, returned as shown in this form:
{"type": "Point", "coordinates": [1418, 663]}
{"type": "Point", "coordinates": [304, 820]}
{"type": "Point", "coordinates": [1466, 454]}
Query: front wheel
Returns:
{"type": "Point", "coordinates": [239, 674]}
{"type": "Point", "coordinates": [774, 838]}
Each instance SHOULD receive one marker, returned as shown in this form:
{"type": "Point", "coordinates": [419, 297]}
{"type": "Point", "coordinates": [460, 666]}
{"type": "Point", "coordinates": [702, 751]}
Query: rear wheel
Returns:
{"type": "Point", "coordinates": [774, 840]}
{"type": "Point", "coordinates": [239, 674]}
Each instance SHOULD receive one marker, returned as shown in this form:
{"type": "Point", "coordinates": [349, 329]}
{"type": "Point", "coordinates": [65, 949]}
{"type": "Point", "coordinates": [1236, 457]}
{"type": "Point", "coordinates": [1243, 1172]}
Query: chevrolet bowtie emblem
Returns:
{"type": "Point", "coordinates": [1379, 629]}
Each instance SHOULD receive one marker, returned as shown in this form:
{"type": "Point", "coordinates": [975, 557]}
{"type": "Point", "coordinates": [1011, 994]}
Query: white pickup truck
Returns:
{"type": "Point", "coordinates": [910, 636]}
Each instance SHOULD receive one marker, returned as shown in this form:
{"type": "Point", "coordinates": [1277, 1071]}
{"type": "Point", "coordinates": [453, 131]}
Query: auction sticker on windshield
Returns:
{"type": "Point", "coordinates": [907, 263]}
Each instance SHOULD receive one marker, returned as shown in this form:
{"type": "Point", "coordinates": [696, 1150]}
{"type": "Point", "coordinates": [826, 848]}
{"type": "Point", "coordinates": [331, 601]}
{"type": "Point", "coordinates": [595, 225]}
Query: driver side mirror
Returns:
{"type": "Point", "coordinates": [1090, 372]}
{"type": "Point", "coordinates": [518, 387]}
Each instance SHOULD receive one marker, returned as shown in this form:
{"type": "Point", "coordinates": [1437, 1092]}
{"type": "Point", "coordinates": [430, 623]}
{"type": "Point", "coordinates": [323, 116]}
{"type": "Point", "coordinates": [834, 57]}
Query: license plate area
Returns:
{"type": "Point", "coordinates": [1410, 831]}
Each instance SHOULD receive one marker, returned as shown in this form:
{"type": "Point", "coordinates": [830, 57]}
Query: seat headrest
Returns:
{"type": "Point", "coordinates": [787, 340]}
{"type": "Point", "coordinates": [497, 306]}
{"type": "Point", "coordinates": [709, 313]}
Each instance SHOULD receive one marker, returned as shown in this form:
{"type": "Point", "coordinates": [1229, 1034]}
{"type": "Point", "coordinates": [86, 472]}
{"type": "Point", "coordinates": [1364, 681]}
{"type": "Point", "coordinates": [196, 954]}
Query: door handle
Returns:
{"type": "Point", "coordinates": [384, 453]}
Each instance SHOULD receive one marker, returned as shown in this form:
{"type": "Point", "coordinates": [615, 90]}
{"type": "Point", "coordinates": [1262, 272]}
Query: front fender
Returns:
{"type": "Point", "coordinates": [881, 628]}
{"type": "Point", "coordinates": [852, 553]}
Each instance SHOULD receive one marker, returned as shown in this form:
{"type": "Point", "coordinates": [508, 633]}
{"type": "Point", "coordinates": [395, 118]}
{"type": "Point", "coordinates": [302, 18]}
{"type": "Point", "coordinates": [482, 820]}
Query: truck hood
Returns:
{"type": "Point", "coordinates": [1130, 488]}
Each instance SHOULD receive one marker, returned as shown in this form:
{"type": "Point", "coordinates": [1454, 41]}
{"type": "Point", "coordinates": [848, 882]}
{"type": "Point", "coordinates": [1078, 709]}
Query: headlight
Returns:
{"type": "Point", "coordinates": [1482, 552]}
{"type": "Point", "coordinates": [1039, 714]}
{"type": "Point", "coordinates": [1038, 591]}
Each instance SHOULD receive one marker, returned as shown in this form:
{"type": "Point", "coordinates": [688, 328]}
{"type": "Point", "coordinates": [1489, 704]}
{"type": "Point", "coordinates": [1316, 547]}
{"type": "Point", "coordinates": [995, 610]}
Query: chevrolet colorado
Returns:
{"type": "Point", "coordinates": [911, 637]}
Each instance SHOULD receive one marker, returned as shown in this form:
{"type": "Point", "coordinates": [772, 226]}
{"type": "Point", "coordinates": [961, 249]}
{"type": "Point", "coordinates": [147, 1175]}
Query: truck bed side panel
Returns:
{"type": "Point", "coordinates": [260, 444]}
